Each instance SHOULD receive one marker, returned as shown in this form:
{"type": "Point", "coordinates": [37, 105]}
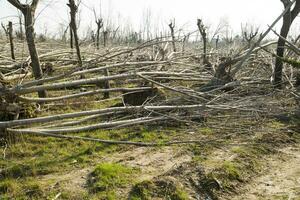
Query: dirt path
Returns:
{"type": "Point", "coordinates": [281, 178]}
{"type": "Point", "coordinates": [151, 161]}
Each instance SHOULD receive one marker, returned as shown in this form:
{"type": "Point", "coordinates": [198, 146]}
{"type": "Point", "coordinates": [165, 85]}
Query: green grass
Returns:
{"type": "Point", "coordinates": [232, 170]}
{"type": "Point", "coordinates": [9, 187]}
{"type": "Point", "coordinates": [108, 177]}
{"type": "Point", "coordinates": [33, 157]}
{"type": "Point", "coordinates": [162, 189]}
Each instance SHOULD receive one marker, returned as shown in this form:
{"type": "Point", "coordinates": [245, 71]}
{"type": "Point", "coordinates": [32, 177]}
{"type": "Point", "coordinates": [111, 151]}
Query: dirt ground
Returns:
{"type": "Point", "coordinates": [280, 178]}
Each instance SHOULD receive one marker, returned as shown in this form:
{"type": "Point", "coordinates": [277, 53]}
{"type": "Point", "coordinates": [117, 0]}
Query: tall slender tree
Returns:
{"type": "Point", "coordinates": [28, 11]}
{"type": "Point", "coordinates": [288, 19]}
{"type": "Point", "coordinates": [11, 40]}
{"type": "Point", "coordinates": [73, 26]}
{"type": "Point", "coordinates": [172, 26]}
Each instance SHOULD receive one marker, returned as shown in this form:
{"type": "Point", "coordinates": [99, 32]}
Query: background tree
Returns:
{"type": "Point", "coordinates": [20, 33]}
{"type": "Point", "coordinates": [11, 39]}
{"type": "Point", "coordinates": [202, 30]}
{"type": "Point", "coordinates": [249, 33]}
{"type": "Point", "coordinates": [99, 23]}
{"type": "Point", "coordinates": [172, 26]}
{"type": "Point", "coordinates": [73, 26]}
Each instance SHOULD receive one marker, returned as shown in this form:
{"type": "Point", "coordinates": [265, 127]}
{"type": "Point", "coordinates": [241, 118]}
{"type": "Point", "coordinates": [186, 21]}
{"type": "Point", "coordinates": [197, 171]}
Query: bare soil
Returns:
{"type": "Point", "coordinates": [280, 178]}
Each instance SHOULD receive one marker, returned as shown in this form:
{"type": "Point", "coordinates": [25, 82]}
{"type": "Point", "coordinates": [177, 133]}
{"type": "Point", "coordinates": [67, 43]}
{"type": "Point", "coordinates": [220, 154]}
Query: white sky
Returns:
{"type": "Point", "coordinates": [55, 12]}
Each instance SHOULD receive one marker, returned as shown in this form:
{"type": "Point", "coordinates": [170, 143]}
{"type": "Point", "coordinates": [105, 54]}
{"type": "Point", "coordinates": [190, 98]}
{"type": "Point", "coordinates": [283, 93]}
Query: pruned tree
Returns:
{"type": "Point", "coordinates": [184, 41]}
{"type": "Point", "coordinates": [105, 37]}
{"type": "Point", "coordinates": [11, 40]}
{"type": "Point", "coordinates": [20, 33]}
{"type": "Point", "coordinates": [63, 30]}
{"type": "Point", "coordinates": [172, 26]}
{"type": "Point", "coordinates": [202, 30]}
{"type": "Point", "coordinates": [217, 42]}
{"type": "Point", "coordinates": [5, 29]}
{"type": "Point", "coordinates": [28, 11]}
{"type": "Point", "coordinates": [249, 33]}
{"type": "Point", "coordinates": [73, 29]}
{"type": "Point", "coordinates": [99, 23]}
{"type": "Point", "coordinates": [71, 37]}
{"type": "Point", "coordinates": [288, 18]}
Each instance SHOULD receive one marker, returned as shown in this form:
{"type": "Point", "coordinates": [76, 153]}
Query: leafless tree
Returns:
{"type": "Point", "coordinates": [172, 26]}
{"type": "Point", "coordinates": [105, 37]}
{"type": "Point", "coordinates": [28, 11]}
{"type": "Point", "coordinates": [249, 33]}
{"type": "Point", "coordinates": [184, 41]}
{"type": "Point", "coordinates": [11, 41]}
{"type": "Point", "coordinates": [202, 30]}
{"type": "Point", "coordinates": [20, 33]}
{"type": "Point", "coordinates": [217, 41]}
{"type": "Point", "coordinates": [99, 23]}
{"type": "Point", "coordinates": [71, 37]}
{"type": "Point", "coordinates": [288, 18]}
{"type": "Point", "coordinates": [73, 10]}
{"type": "Point", "coordinates": [63, 30]}
{"type": "Point", "coordinates": [5, 29]}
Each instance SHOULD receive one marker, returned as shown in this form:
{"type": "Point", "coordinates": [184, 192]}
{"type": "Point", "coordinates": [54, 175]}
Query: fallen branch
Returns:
{"type": "Point", "coordinates": [240, 64]}
{"type": "Point", "coordinates": [92, 127]}
{"type": "Point", "coordinates": [112, 142]}
{"type": "Point", "coordinates": [9, 124]}
{"type": "Point", "coordinates": [170, 88]}
{"type": "Point", "coordinates": [72, 96]}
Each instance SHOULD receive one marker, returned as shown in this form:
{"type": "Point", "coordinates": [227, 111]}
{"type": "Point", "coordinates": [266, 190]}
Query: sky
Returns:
{"type": "Point", "coordinates": [52, 15]}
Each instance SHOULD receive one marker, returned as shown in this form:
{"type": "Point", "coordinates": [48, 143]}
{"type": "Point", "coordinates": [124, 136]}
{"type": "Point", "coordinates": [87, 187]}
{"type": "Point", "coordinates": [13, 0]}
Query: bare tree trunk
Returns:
{"type": "Point", "coordinates": [249, 33]}
{"type": "Point", "coordinates": [288, 18]}
{"type": "Point", "coordinates": [217, 42]}
{"type": "Point", "coordinates": [21, 34]}
{"type": "Point", "coordinates": [35, 62]}
{"type": "Point", "coordinates": [63, 37]}
{"type": "Point", "coordinates": [172, 26]}
{"type": "Point", "coordinates": [105, 34]}
{"type": "Point", "coordinates": [5, 30]}
{"type": "Point", "coordinates": [29, 12]}
{"type": "Point", "coordinates": [202, 31]}
{"type": "Point", "coordinates": [73, 11]}
{"type": "Point", "coordinates": [99, 26]}
{"type": "Point", "coordinates": [11, 41]}
{"type": "Point", "coordinates": [71, 37]}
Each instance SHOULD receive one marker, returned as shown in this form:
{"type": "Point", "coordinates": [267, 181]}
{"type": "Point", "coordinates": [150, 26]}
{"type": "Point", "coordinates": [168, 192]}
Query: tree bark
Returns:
{"type": "Point", "coordinates": [172, 26]}
{"type": "Point", "coordinates": [73, 10]}
{"type": "Point", "coordinates": [105, 34]}
{"type": "Point", "coordinates": [71, 38]}
{"type": "Point", "coordinates": [21, 34]}
{"type": "Point", "coordinates": [11, 41]}
{"type": "Point", "coordinates": [29, 13]}
{"type": "Point", "coordinates": [202, 31]}
{"type": "Point", "coordinates": [288, 18]}
{"type": "Point", "coordinates": [99, 26]}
